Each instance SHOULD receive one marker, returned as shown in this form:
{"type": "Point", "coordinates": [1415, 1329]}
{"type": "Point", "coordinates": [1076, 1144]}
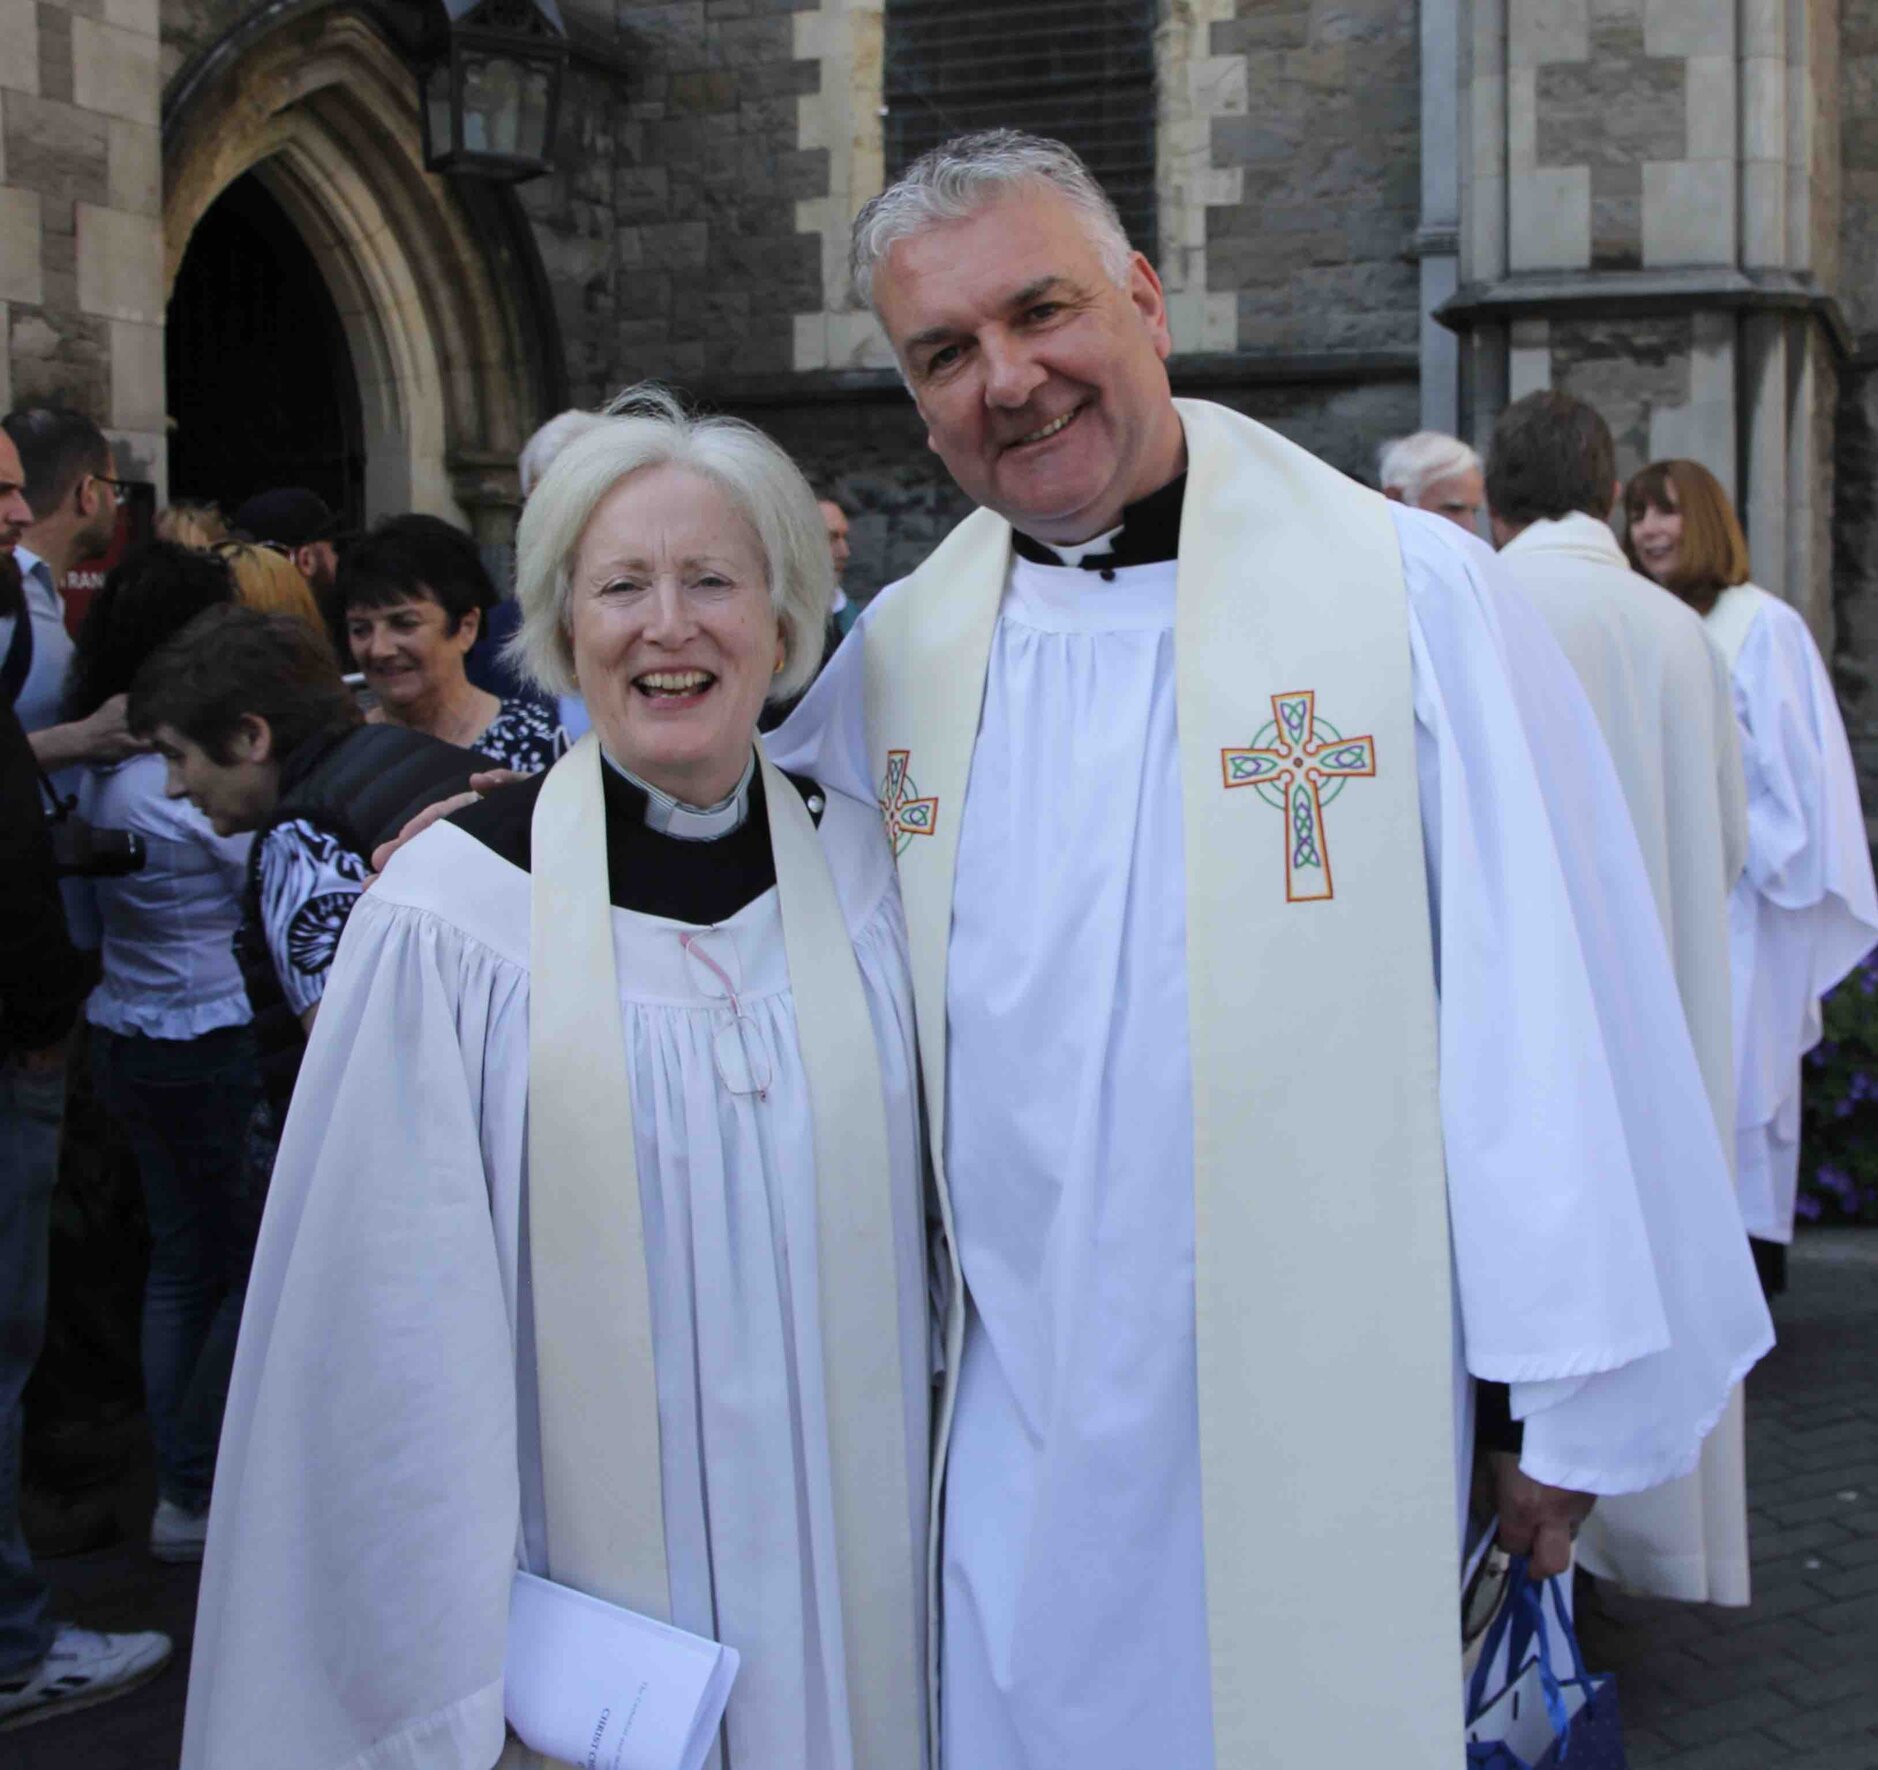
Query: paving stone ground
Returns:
{"type": "Point", "coordinates": [1790, 1683]}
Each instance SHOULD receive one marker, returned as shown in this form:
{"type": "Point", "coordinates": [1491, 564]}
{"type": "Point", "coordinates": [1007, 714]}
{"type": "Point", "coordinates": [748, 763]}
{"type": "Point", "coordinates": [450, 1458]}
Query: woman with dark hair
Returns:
{"type": "Point", "coordinates": [415, 595]}
{"type": "Point", "coordinates": [171, 1049]}
{"type": "Point", "coordinates": [1805, 911]}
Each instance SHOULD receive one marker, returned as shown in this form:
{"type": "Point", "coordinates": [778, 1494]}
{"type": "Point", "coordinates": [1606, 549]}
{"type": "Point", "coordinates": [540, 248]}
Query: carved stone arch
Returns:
{"type": "Point", "coordinates": [438, 288]}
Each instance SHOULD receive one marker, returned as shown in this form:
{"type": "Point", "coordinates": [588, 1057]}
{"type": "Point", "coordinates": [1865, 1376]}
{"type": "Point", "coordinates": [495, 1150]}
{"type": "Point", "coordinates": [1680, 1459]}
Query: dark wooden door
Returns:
{"type": "Point", "coordinates": [262, 391]}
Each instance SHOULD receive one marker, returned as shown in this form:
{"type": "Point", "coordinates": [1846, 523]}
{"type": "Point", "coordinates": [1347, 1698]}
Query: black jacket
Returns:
{"type": "Point", "coordinates": [361, 784]}
{"type": "Point", "coordinates": [44, 979]}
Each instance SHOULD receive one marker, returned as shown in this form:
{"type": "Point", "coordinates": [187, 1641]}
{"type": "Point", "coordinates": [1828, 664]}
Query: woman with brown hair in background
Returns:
{"type": "Point", "coordinates": [1804, 912]}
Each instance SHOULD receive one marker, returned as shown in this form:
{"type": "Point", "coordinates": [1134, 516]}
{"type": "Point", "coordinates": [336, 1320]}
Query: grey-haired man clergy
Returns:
{"type": "Point", "coordinates": [1296, 1029]}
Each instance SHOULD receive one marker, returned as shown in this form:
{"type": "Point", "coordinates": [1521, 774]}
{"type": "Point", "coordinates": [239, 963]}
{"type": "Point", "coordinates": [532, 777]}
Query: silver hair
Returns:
{"type": "Point", "coordinates": [1411, 464]}
{"type": "Point", "coordinates": [959, 177]}
{"type": "Point", "coordinates": [539, 451]}
{"type": "Point", "coordinates": [647, 427]}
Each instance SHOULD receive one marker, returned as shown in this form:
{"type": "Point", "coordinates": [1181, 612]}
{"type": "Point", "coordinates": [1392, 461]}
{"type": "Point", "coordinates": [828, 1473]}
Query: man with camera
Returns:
{"type": "Point", "coordinates": [46, 1668]}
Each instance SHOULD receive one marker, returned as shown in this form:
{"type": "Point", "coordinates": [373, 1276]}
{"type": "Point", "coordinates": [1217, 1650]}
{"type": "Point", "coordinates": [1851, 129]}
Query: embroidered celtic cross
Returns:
{"type": "Point", "coordinates": [906, 816]}
{"type": "Point", "coordinates": [1299, 763]}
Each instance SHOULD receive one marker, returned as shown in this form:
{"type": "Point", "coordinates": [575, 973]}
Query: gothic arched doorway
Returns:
{"type": "Point", "coordinates": [262, 387]}
{"type": "Point", "coordinates": [442, 305]}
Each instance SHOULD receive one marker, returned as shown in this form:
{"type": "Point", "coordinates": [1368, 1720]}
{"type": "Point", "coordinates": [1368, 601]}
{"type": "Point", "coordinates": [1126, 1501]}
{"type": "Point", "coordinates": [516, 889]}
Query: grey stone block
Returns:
{"type": "Point", "coordinates": [707, 91]}
{"type": "Point", "coordinates": [1263, 26]}
{"type": "Point", "coordinates": [55, 55]}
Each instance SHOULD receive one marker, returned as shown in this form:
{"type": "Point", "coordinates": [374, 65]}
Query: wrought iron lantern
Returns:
{"type": "Point", "coordinates": [490, 90]}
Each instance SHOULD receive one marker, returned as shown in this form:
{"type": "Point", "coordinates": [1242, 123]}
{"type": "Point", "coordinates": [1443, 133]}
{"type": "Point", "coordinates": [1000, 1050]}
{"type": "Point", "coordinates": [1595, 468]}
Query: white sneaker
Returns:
{"type": "Point", "coordinates": [83, 1668]}
{"type": "Point", "coordinates": [177, 1534]}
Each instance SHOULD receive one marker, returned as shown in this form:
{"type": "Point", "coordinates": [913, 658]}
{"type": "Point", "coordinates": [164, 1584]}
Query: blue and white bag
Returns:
{"type": "Point", "coordinates": [1536, 1719]}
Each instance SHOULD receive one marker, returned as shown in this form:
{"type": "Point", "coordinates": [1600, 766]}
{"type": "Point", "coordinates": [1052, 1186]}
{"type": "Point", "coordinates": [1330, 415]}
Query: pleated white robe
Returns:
{"type": "Point", "coordinates": [1660, 692]}
{"type": "Point", "coordinates": [1073, 1600]}
{"type": "Point", "coordinates": [380, 1466]}
{"type": "Point", "coordinates": [1805, 911]}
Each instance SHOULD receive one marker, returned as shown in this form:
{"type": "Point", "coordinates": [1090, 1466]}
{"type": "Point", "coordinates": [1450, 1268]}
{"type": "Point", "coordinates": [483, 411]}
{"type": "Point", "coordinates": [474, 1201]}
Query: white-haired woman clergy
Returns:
{"type": "Point", "coordinates": [596, 1239]}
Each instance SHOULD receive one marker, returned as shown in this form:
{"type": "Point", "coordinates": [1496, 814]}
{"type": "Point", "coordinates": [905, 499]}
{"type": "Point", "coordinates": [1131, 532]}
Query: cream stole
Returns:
{"type": "Point", "coordinates": [1322, 1290]}
{"type": "Point", "coordinates": [1732, 618]}
{"type": "Point", "coordinates": [600, 1464]}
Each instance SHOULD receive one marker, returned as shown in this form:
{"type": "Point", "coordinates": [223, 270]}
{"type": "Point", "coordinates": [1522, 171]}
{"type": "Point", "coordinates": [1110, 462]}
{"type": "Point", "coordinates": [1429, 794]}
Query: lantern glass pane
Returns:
{"type": "Point", "coordinates": [437, 108]}
{"type": "Point", "coordinates": [537, 92]}
{"type": "Point", "coordinates": [492, 104]}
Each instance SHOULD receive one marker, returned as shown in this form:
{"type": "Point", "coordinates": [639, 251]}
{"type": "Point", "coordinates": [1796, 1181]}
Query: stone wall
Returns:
{"type": "Point", "coordinates": [1858, 139]}
{"type": "Point", "coordinates": [1631, 371]}
{"type": "Point", "coordinates": [1319, 246]}
{"type": "Point", "coordinates": [190, 27]}
{"type": "Point", "coordinates": [1855, 513]}
{"type": "Point", "coordinates": [670, 235]}
{"type": "Point", "coordinates": [81, 309]}
{"type": "Point", "coordinates": [1855, 572]}
{"type": "Point", "coordinates": [871, 455]}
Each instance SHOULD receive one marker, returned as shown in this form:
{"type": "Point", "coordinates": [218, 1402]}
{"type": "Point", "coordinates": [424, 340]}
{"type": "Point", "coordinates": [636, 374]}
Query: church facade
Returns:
{"type": "Point", "coordinates": [218, 235]}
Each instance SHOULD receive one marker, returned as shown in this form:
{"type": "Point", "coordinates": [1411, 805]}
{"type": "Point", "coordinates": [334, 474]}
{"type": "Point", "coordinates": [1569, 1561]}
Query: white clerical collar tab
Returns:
{"type": "Point", "coordinates": [692, 823]}
{"type": "Point", "coordinates": [1074, 556]}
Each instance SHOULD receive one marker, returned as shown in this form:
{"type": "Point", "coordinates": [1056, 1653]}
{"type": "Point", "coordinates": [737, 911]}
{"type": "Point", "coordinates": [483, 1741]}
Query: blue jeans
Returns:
{"type": "Point", "coordinates": [183, 1105]}
{"type": "Point", "coordinates": [31, 1108]}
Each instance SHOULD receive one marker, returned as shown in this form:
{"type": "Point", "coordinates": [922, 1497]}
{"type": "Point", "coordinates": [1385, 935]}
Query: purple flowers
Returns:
{"type": "Point", "coordinates": [1839, 1140]}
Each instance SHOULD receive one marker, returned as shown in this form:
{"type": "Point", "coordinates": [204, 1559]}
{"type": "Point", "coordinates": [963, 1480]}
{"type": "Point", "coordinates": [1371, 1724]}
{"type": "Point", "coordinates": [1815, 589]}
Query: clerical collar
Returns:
{"type": "Point", "coordinates": [1149, 533]}
{"type": "Point", "coordinates": [691, 823]}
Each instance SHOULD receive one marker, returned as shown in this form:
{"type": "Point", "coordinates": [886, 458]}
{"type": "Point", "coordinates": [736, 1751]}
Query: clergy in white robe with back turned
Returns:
{"type": "Point", "coordinates": [1660, 693]}
{"type": "Point", "coordinates": [1804, 912]}
{"type": "Point", "coordinates": [1296, 1033]}
{"type": "Point", "coordinates": [596, 1239]}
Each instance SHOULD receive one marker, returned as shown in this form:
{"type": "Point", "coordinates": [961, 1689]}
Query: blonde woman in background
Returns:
{"type": "Point", "coordinates": [269, 581]}
{"type": "Point", "coordinates": [192, 525]}
{"type": "Point", "coordinates": [1804, 912]}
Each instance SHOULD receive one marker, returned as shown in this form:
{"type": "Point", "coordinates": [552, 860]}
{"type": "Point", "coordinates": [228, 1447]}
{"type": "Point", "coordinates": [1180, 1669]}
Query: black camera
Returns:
{"type": "Point", "coordinates": [81, 850]}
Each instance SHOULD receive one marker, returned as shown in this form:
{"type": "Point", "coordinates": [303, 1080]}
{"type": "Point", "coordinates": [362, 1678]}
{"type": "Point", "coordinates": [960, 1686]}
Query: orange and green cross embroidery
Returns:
{"type": "Point", "coordinates": [906, 815]}
{"type": "Point", "coordinates": [1299, 763]}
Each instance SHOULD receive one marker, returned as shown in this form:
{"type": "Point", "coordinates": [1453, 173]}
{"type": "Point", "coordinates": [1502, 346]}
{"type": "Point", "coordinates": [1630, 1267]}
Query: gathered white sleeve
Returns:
{"type": "Point", "coordinates": [354, 1596]}
{"type": "Point", "coordinates": [1808, 887]}
{"type": "Point", "coordinates": [1602, 1270]}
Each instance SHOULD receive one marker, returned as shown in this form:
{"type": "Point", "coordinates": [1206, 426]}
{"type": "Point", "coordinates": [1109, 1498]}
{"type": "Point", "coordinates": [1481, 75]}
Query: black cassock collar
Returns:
{"type": "Point", "coordinates": [656, 874]}
{"type": "Point", "coordinates": [1149, 534]}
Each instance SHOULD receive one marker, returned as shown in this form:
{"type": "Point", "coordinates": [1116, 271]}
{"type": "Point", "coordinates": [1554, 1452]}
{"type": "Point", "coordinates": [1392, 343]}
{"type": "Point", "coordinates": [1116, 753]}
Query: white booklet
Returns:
{"type": "Point", "coordinates": [608, 1689]}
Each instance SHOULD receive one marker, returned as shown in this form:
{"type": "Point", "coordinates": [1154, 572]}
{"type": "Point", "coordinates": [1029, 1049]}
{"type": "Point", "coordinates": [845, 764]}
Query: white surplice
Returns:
{"type": "Point", "coordinates": [1660, 692]}
{"type": "Point", "coordinates": [1804, 912]}
{"type": "Point", "coordinates": [1074, 1614]}
{"type": "Point", "coordinates": [380, 1470]}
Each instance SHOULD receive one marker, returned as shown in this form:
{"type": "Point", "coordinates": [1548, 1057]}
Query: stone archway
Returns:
{"type": "Point", "coordinates": [449, 354]}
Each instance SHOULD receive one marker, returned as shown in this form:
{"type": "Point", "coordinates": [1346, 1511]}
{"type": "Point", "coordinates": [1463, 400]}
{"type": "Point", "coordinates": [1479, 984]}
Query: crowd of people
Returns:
{"type": "Point", "coordinates": [951, 1198]}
